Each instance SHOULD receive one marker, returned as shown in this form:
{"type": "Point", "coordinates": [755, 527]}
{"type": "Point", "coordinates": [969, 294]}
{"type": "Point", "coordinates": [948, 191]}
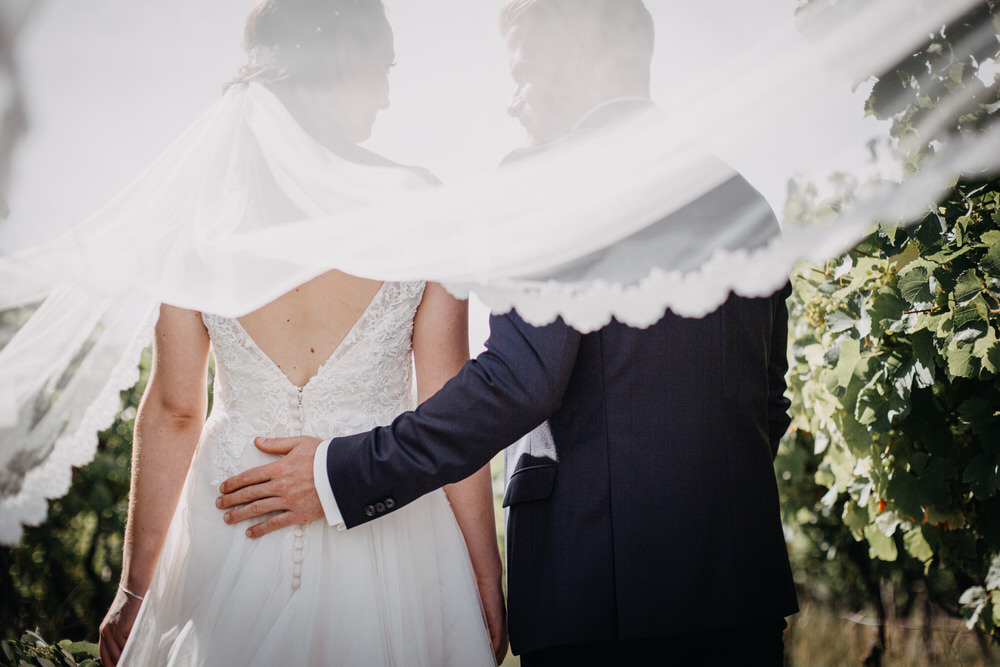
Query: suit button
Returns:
{"type": "Point", "coordinates": [389, 503]}
{"type": "Point", "coordinates": [369, 510]}
{"type": "Point", "coordinates": [380, 508]}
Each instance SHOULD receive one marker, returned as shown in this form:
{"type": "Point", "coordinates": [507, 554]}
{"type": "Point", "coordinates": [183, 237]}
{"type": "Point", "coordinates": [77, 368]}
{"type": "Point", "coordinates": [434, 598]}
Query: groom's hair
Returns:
{"type": "Point", "coordinates": [623, 28]}
{"type": "Point", "coordinates": [295, 40]}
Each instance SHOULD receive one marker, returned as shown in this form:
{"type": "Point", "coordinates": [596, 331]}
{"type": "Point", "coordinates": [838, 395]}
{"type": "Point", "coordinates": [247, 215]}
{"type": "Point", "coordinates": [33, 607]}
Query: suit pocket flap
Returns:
{"type": "Point", "coordinates": [530, 483]}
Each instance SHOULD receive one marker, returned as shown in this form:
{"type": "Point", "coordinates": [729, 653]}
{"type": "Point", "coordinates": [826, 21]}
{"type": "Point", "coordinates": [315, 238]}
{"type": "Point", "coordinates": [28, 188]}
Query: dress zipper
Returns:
{"type": "Point", "coordinates": [302, 414]}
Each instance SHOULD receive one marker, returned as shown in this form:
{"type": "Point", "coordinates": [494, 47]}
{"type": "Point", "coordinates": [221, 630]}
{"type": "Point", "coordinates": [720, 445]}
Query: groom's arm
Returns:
{"type": "Point", "coordinates": [516, 384]}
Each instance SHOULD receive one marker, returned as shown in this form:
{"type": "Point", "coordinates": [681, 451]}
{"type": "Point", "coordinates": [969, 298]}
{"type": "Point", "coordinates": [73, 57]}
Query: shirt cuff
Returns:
{"type": "Point", "coordinates": [321, 481]}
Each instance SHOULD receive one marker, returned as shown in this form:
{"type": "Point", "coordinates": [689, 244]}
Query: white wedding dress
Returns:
{"type": "Point", "coordinates": [397, 591]}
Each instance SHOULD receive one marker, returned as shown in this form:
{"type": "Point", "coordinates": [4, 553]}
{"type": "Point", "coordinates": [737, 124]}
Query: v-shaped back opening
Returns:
{"type": "Point", "coordinates": [344, 343]}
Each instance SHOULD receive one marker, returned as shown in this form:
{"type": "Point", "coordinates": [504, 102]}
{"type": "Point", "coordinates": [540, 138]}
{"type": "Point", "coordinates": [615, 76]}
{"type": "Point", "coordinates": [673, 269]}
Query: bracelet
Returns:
{"type": "Point", "coordinates": [129, 593]}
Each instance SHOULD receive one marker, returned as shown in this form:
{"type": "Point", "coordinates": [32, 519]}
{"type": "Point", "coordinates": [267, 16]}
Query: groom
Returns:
{"type": "Point", "coordinates": [643, 510]}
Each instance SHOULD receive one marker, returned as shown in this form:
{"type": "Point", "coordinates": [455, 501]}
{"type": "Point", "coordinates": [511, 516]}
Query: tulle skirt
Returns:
{"type": "Point", "coordinates": [396, 591]}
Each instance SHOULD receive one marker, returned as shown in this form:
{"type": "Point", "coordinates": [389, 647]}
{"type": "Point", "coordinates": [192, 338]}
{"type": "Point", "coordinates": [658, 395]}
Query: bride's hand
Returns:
{"type": "Point", "coordinates": [116, 627]}
{"type": "Point", "coordinates": [491, 593]}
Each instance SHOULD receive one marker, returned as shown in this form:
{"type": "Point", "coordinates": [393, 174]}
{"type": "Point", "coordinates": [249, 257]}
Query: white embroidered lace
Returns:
{"type": "Point", "coordinates": [398, 591]}
{"type": "Point", "coordinates": [366, 382]}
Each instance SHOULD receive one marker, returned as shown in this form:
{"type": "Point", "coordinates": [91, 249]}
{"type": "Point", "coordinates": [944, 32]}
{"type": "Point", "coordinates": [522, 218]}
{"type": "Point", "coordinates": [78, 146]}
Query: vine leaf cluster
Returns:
{"type": "Point", "coordinates": [895, 346]}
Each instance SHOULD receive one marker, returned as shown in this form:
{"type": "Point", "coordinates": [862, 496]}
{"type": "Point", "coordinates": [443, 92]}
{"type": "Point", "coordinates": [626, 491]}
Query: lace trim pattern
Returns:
{"type": "Point", "coordinates": [52, 478]}
{"type": "Point", "coordinates": [366, 382]}
{"type": "Point", "coordinates": [589, 307]}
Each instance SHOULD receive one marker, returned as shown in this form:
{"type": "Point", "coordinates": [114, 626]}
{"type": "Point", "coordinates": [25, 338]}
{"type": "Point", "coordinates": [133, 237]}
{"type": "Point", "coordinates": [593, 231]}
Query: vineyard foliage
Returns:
{"type": "Point", "coordinates": [895, 357]}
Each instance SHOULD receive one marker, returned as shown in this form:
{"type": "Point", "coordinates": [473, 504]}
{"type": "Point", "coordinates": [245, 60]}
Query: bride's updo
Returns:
{"type": "Point", "coordinates": [295, 40]}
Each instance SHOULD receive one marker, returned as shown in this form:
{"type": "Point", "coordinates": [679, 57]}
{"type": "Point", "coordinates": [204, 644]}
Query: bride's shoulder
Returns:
{"type": "Point", "coordinates": [364, 156]}
{"type": "Point", "coordinates": [381, 161]}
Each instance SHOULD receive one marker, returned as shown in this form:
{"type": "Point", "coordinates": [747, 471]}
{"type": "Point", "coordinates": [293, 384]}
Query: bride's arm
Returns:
{"type": "Point", "coordinates": [167, 427]}
{"type": "Point", "coordinates": [440, 349]}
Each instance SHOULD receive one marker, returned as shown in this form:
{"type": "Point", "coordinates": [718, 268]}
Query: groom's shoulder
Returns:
{"type": "Point", "coordinates": [512, 332]}
{"type": "Point", "coordinates": [512, 318]}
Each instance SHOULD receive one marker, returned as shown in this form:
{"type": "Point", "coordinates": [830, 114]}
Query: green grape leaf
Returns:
{"type": "Point", "coordinates": [912, 374]}
{"type": "Point", "coordinates": [890, 96]}
{"type": "Point", "coordinates": [887, 522]}
{"type": "Point", "coordinates": [990, 264]}
{"type": "Point", "coordinates": [942, 519]}
{"type": "Point", "coordinates": [983, 476]}
{"type": "Point", "coordinates": [907, 494]}
{"type": "Point", "coordinates": [887, 307]}
{"type": "Point", "coordinates": [993, 576]}
{"type": "Point", "coordinates": [89, 648]}
{"type": "Point", "coordinates": [967, 287]}
{"type": "Point", "coordinates": [922, 342]}
{"type": "Point", "coordinates": [917, 462]}
{"type": "Point", "coordinates": [872, 404]}
{"type": "Point", "coordinates": [880, 546]}
{"type": "Point", "coordinates": [855, 518]}
{"type": "Point", "coordinates": [914, 286]}
{"type": "Point", "coordinates": [871, 244]}
{"type": "Point", "coordinates": [961, 363]}
{"type": "Point", "coordinates": [850, 355]}
{"type": "Point", "coordinates": [917, 546]}
{"type": "Point", "coordinates": [864, 324]}
{"type": "Point", "coordinates": [935, 483]}
{"type": "Point", "coordinates": [857, 436]}
{"type": "Point", "coordinates": [838, 321]}
{"type": "Point", "coordinates": [948, 254]}
{"type": "Point", "coordinates": [976, 410]}
{"type": "Point", "coordinates": [864, 270]}
{"type": "Point", "coordinates": [956, 72]}
{"type": "Point", "coordinates": [966, 333]}
{"type": "Point", "coordinates": [973, 600]}
{"type": "Point", "coordinates": [930, 229]}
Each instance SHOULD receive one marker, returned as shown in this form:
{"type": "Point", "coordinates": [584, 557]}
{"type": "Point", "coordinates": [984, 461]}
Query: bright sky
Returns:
{"type": "Point", "coordinates": [110, 83]}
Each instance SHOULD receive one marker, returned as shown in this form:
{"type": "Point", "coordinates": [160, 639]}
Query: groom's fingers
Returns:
{"type": "Point", "coordinates": [277, 445]}
{"type": "Point", "coordinates": [256, 475]}
{"type": "Point", "coordinates": [276, 522]}
{"type": "Point", "coordinates": [255, 509]}
{"type": "Point", "coordinates": [247, 494]}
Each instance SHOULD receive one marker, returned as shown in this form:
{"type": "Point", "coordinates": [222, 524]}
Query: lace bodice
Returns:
{"type": "Point", "coordinates": [366, 382]}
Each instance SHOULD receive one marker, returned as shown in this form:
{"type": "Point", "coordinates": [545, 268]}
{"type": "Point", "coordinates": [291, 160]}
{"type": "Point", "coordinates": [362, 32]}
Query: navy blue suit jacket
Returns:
{"type": "Point", "coordinates": [661, 515]}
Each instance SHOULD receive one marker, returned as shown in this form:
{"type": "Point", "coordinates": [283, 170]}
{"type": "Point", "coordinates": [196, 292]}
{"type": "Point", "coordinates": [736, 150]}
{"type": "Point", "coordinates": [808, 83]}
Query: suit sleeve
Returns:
{"type": "Point", "coordinates": [778, 403]}
{"type": "Point", "coordinates": [508, 390]}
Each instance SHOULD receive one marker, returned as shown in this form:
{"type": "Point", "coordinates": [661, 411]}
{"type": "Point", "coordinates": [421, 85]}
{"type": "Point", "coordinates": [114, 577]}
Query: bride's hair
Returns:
{"type": "Point", "coordinates": [295, 40]}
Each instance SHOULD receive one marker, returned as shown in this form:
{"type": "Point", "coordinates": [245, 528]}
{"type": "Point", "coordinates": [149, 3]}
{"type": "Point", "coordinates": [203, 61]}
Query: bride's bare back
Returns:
{"type": "Point", "coordinates": [301, 329]}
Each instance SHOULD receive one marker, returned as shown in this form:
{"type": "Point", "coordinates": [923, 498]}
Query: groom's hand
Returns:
{"type": "Point", "coordinates": [285, 486]}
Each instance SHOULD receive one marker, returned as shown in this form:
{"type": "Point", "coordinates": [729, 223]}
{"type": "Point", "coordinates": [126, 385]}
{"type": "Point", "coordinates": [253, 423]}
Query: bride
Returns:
{"type": "Point", "coordinates": [332, 356]}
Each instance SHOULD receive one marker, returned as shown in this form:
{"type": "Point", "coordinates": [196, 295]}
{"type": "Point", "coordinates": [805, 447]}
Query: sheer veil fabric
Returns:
{"type": "Point", "coordinates": [620, 221]}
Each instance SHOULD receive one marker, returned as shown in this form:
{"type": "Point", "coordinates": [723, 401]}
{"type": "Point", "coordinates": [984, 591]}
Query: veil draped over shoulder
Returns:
{"type": "Point", "coordinates": [624, 222]}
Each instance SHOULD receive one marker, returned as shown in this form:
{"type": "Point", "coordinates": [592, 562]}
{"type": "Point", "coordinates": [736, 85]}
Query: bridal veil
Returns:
{"type": "Point", "coordinates": [607, 225]}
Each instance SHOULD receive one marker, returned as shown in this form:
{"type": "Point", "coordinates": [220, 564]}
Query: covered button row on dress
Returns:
{"type": "Point", "coordinates": [298, 542]}
{"type": "Point", "coordinates": [298, 555]}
